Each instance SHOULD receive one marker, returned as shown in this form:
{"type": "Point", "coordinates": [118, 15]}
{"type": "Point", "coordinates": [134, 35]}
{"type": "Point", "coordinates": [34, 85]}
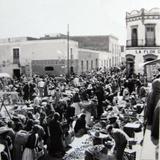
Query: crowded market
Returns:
{"type": "Point", "coordinates": [98, 115]}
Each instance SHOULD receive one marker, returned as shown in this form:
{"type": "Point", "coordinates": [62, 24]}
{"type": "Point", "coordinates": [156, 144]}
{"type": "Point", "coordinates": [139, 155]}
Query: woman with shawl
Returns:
{"type": "Point", "coordinates": [152, 100]}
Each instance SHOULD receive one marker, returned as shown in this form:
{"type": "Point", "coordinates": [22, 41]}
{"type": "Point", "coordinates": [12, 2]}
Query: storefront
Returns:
{"type": "Point", "coordinates": [143, 41]}
{"type": "Point", "coordinates": [151, 68]}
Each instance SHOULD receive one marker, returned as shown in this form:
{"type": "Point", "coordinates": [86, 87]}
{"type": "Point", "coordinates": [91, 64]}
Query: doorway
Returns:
{"type": "Point", "coordinates": [71, 70]}
{"type": "Point", "coordinates": [130, 65]}
{"type": "Point", "coordinates": [16, 73]}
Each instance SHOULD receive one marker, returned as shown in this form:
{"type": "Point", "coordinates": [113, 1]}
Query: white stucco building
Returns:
{"type": "Point", "coordinates": [49, 55]}
{"type": "Point", "coordinates": [26, 55]}
{"type": "Point", "coordinates": [143, 38]}
{"type": "Point", "coordinates": [91, 59]}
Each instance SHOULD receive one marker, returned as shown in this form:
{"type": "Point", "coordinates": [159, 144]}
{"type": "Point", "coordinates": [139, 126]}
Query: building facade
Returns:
{"type": "Point", "coordinates": [48, 55]}
{"type": "Point", "coordinates": [104, 43]}
{"type": "Point", "coordinates": [25, 55]}
{"type": "Point", "coordinates": [91, 60]}
{"type": "Point", "coordinates": [143, 39]}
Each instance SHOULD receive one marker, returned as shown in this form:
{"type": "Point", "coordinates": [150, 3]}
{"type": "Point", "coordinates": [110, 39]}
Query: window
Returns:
{"type": "Point", "coordinates": [16, 56]}
{"type": "Point", "coordinates": [112, 48]}
{"type": "Point", "coordinates": [134, 37]}
{"type": "Point", "coordinates": [110, 63]}
{"type": "Point", "coordinates": [122, 48]}
{"type": "Point", "coordinates": [96, 63]}
{"type": "Point", "coordinates": [71, 54]}
{"type": "Point", "coordinates": [91, 64]}
{"type": "Point", "coordinates": [3, 63]}
{"type": "Point", "coordinates": [87, 65]}
{"type": "Point", "coordinates": [48, 68]}
{"type": "Point", "coordinates": [115, 61]}
{"type": "Point", "coordinates": [105, 62]}
{"type": "Point", "coordinates": [62, 61]}
{"type": "Point", "coordinates": [82, 66]}
{"type": "Point", "coordinates": [101, 62]}
{"type": "Point", "coordinates": [150, 35]}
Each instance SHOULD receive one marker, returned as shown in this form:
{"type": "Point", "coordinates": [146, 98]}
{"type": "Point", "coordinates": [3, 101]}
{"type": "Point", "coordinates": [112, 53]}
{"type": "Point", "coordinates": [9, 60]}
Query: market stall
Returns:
{"type": "Point", "coordinates": [151, 69]}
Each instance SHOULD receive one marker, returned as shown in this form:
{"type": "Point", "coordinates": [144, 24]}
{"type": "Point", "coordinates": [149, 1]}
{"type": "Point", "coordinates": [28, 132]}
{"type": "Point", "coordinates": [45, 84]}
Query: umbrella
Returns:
{"type": "Point", "coordinates": [5, 75]}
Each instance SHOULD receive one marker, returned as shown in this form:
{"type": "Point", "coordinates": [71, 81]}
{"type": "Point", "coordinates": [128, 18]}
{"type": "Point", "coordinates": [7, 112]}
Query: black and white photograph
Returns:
{"type": "Point", "coordinates": [79, 79]}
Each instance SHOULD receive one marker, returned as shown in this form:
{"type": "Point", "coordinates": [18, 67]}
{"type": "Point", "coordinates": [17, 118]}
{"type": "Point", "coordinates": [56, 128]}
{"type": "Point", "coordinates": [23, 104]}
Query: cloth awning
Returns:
{"type": "Point", "coordinates": [6, 75]}
{"type": "Point", "coordinates": [151, 62]}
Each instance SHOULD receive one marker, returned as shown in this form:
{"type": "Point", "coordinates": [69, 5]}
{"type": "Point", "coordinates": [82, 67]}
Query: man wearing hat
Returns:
{"type": "Point", "coordinates": [120, 138]}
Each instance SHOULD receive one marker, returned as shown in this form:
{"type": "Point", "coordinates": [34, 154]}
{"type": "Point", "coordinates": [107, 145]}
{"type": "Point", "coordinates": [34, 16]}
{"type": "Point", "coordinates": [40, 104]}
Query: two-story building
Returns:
{"type": "Point", "coordinates": [143, 39]}
{"type": "Point", "coordinates": [49, 54]}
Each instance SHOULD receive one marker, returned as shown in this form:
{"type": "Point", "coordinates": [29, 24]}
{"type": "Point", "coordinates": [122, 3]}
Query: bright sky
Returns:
{"type": "Point", "coordinates": [85, 17]}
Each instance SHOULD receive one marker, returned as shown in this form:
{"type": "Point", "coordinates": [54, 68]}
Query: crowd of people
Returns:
{"type": "Point", "coordinates": [51, 111]}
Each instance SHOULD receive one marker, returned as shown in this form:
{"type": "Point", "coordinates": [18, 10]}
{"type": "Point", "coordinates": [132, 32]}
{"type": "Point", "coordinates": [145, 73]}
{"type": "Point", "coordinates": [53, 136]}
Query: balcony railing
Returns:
{"type": "Point", "coordinates": [150, 42]}
{"type": "Point", "coordinates": [141, 43]}
{"type": "Point", "coordinates": [16, 61]}
{"type": "Point", "coordinates": [135, 43]}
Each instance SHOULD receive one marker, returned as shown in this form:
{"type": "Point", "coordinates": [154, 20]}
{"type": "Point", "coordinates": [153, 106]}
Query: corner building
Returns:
{"type": "Point", "coordinates": [143, 39]}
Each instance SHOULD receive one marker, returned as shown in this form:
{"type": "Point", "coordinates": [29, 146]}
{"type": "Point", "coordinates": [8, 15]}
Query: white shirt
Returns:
{"type": "Point", "coordinates": [41, 84]}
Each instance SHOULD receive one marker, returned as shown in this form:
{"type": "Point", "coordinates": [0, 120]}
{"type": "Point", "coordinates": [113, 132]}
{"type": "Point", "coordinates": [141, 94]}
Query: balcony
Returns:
{"type": "Point", "coordinates": [16, 61]}
{"type": "Point", "coordinates": [135, 43]}
{"type": "Point", "coordinates": [141, 43]}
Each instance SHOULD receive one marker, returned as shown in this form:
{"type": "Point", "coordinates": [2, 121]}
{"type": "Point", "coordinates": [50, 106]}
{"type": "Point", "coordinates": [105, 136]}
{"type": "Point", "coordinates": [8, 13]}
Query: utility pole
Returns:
{"type": "Point", "coordinates": [68, 71]}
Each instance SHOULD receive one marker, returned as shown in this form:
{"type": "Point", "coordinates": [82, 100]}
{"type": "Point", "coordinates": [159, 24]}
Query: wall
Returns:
{"type": "Point", "coordinates": [141, 29]}
{"type": "Point", "coordinates": [139, 53]}
{"type": "Point", "coordinates": [140, 19]}
{"type": "Point", "coordinates": [91, 55]}
{"type": "Point", "coordinates": [114, 49]}
{"type": "Point", "coordinates": [35, 50]}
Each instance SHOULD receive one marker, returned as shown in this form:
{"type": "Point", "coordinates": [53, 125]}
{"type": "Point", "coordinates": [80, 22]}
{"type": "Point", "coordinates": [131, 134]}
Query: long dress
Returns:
{"type": "Point", "coordinates": [86, 106]}
{"type": "Point", "coordinates": [56, 134]}
{"type": "Point", "coordinates": [19, 142]}
{"type": "Point", "coordinates": [152, 101]}
{"type": "Point", "coordinates": [75, 104]}
{"type": "Point", "coordinates": [28, 153]}
{"type": "Point", "coordinates": [26, 92]}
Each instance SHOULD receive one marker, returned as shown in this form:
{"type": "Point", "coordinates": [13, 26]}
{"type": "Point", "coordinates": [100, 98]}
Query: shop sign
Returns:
{"type": "Point", "coordinates": [148, 51]}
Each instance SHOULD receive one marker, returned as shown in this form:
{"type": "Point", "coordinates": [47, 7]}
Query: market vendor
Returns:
{"type": "Point", "coordinates": [152, 101]}
{"type": "Point", "coordinates": [80, 126]}
{"type": "Point", "coordinates": [101, 152]}
{"type": "Point", "coordinates": [120, 138]}
{"type": "Point", "coordinates": [56, 147]}
{"type": "Point", "coordinates": [76, 100]}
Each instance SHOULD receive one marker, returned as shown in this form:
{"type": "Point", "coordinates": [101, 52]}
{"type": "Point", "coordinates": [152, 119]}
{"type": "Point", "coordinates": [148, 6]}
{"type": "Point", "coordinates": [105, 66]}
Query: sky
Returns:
{"type": "Point", "coordinates": [36, 18]}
